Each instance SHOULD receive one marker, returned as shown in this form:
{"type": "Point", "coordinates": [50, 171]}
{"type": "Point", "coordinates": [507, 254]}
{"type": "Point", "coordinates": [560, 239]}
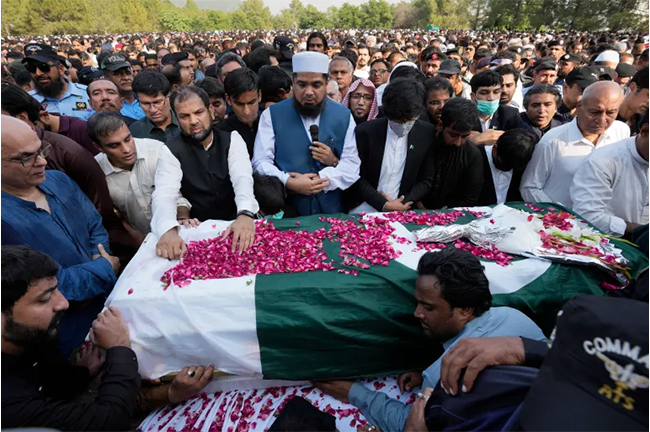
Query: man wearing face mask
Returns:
{"type": "Point", "coordinates": [396, 164]}
{"type": "Point", "coordinates": [494, 118]}
{"type": "Point", "coordinates": [458, 165]}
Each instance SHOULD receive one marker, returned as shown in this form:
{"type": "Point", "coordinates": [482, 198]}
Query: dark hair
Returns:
{"type": "Point", "coordinates": [409, 73]}
{"type": "Point", "coordinates": [381, 60]}
{"type": "Point", "coordinates": [227, 58]}
{"type": "Point", "coordinates": [507, 69]}
{"type": "Point", "coordinates": [22, 77]}
{"type": "Point", "coordinates": [541, 89]}
{"type": "Point", "coordinates": [505, 54]}
{"type": "Point", "coordinates": [439, 83]}
{"type": "Point", "coordinates": [260, 57]}
{"type": "Point", "coordinates": [13, 55]}
{"type": "Point", "coordinates": [103, 123]}
{"type": "Point", "coordinates": [183, 93]}
{"type": "Point", "coordinates": [21, 266]}
{"type": "Point", "coordinates": [481, 54]}
{"type": "Point", "coordinates": [460, 114]}
{"type": "Point", "coordinates": [212, 86]}
{"type": "Point", "coordinates": [269, 193]}
{"type": "Point", "coordinates": [150, 57]}
{"type": "Point", "coordinates": [515, 148]}
{"type": "Point", "coordinates": [240, 81]}
{"type": "Point", "coordinates": [351, 55]}
{"type": "Point", "coordinates": [403, 99]}
{"type": "Point", "coordinates": [15, 101]}
{"type": "Point", "coordinates": [76, 63]}
{"type": "Point", "coordinates": [272, 79]}
{"type": "Point", "coordinates": [487, 78]}
{"type": "Point", "coordinates": [463, 283]}
{"type": "Point", "coordinates": [641, 79]}
{"type": "Point", "coordinates": [172, 73]}
{"type": "Point", "coordinates": [318, 35]}
{"type": "Point", "coordinates": [151, 83]}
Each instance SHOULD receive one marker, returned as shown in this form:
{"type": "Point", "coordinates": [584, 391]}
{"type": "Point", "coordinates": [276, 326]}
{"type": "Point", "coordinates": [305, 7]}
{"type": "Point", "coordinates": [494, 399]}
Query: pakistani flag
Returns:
{"type": "Point", "coordinates": [317, 325]}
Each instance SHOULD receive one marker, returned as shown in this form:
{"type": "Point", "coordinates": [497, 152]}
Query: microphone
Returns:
{"type": "Point", "coordinates": [313, 131]}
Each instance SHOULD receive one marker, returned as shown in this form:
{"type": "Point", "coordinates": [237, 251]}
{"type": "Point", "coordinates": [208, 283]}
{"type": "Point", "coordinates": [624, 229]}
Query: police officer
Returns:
{"type": "Point", "coordinates": [53, 90]}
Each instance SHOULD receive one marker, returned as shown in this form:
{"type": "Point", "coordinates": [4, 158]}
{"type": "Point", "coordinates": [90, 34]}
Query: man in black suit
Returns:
{"type": "Point", "coordinates": [541, 103]}
{"type": "Point", "coordinates": [494, 118]}
{"type": "Point", "coordinates": [396, 166]}
{"type": "Point", "coordinates": [503, 165]}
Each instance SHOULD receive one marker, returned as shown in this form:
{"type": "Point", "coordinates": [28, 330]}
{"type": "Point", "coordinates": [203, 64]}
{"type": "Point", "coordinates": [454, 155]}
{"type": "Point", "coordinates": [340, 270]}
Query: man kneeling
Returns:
{"type": "Point", "coordinates": [453, 303]}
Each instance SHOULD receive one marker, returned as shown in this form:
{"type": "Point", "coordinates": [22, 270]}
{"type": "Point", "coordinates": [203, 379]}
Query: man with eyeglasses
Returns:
{"type": "Point", "coordinates": [117, 69]}
{"type": "Point", "coordinates": [152, 89]}
{"type": "Point", "coordinates": [49, 212]}
{"type": "Point", "coordinates": [53, 90]}
{"type": "Point", "coordinates": [379, 72]}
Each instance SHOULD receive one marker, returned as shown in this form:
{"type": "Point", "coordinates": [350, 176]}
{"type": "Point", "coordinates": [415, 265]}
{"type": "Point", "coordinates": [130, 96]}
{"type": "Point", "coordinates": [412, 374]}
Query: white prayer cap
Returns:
{"type": "Point", "coordinates": [310, 61]}
{"type": "Point", "coordinates": [514, 42]}
{"type": "Point", "coordinates": [608, 56]}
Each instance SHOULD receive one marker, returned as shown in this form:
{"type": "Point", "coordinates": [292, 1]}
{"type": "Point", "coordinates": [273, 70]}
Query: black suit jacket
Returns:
{"type": "Point", "coordinates": [488, 193]}
{"type": "Point", "coordinates": [417, 178]}
{"type": "Point", "coordinates": [504, 118]}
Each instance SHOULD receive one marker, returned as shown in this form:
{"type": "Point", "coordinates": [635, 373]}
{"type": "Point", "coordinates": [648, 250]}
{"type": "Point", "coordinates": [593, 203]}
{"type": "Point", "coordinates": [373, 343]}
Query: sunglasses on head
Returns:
{"type": "Point", "coordinates": [43, 67]}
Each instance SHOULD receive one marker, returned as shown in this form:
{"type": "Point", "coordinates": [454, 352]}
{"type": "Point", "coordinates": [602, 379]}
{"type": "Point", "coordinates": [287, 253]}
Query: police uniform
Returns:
{"type": "Point", "coordinates": [74, 102]}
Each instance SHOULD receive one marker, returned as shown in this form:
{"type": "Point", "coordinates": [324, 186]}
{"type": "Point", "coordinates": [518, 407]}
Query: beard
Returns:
{"type": "Point", "coordinates": [309, 111]}
{"type": "Point", "coordinates": [199, 136]}
{"type": "Point", "coordinates": [31, 338]}
{"type": "Point", "coordinates": [53, 89]}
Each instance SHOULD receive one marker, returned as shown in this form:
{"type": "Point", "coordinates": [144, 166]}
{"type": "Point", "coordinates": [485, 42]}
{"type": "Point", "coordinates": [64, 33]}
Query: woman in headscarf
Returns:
{"type": "Point", "coordinates": [361, 98]}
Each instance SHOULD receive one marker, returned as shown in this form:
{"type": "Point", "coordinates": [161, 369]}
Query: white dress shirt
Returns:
{"type": "Point", "coordinates": [486, 124]}
{"type": "Point", "coordinates": [132, 190]}
{"type": "Point", "coordinates": [392, 169]}
{"type": "Point", "coordinates": [610, 187]}
{"type": "Point", "coordinates": [344, 175]}
{"type": "Point", "coordinates": [500, 178]}
{"type": "Point", "coordinates": [549, 173]}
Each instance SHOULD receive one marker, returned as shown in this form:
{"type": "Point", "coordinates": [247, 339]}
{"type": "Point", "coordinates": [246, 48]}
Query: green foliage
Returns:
{"type": "Point", "coordinates": [312, 18]}
{"type": "Point", "coordinates": [376, 14]}
{"type": "Point", "coordinates": [348, 16]}
{"type": "Point", "coordinates": [286, 19]}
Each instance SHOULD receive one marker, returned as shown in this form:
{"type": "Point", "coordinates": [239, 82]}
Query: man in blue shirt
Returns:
{"type": "Point", "coordinates": [49, 212]}
{"type": "Point", "coordinates": [117, 69]}
{"type": "Point", "coordinates": [454, 302]}
{"type": "Point", "coordinates": [55, 93]}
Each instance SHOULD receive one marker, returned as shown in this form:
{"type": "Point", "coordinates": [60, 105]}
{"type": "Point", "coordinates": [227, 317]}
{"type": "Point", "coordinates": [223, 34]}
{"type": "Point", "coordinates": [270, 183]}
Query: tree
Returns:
{"type": "Point", "coordinates": [312, 18]}
{"type": "Point", "coordinates": [405, 15]}
{"type": "Point", "coordinates": [424, 11]}
{"type": "Point", "coordinates": [239, 20]}
{"type": "Point", "coordinates": [286, 19]}
{"type": "Point", "coordinates": [18, 18]}
{"type": "Point", "coordinates": [218, 20]}
{"type": "Point", "coordinates": [348, 16]}
{"type": "Point", "coordinates": [190, 6]}
{"type": "Point", "coordinates": [257, 14]}
{"type": "Point", "coordinates": [172, 20]}
{"type": "Point", "coordinates": [376, 14]}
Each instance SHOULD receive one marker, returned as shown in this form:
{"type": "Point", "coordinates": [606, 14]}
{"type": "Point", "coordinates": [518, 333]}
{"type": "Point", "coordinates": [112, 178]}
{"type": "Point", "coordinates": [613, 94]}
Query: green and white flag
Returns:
{"type": "Point", "coordinates": [317, 325]}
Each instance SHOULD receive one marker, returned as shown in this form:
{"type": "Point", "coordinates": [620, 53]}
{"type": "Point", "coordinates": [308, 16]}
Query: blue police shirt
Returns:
{"type": "Point", "coordinates": [132, 110]}
{"type": "Point", "coordinates": [390, 414]}
{"type": "Point", "coordinates": [74, 102]}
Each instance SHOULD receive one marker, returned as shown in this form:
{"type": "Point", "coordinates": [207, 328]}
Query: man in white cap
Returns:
{"type": "Point", "coordinates": [308, 142]}
{"type": "Point", "coordinates": [607, 58]}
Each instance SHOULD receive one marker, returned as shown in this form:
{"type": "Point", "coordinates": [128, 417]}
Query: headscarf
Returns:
{"type": "Point", "coordinates": [374, 109]}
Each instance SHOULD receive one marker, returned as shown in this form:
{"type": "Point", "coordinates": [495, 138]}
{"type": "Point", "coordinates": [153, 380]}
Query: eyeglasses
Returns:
{"type": "Point", "coordinates": [357, 96]}
{"type": "Point", "coordinates": [378, 71]}
{"type": "Point", "coordinates": [155, 104]}
{"type": "Point", "coordinates": [29, 161]}
{"type": "Point", "coordinates": [43, 67]}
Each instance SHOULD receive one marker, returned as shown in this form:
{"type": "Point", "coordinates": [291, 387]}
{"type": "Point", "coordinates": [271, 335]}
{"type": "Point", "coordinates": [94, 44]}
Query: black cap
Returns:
{"type": "Point", "coordinates": [516, 49]}
{"type": "Point", "coordinates": [350, 42]}
{"type": "Point", "coordinates": [572, 58]}
{"type": "Point", "coordinates": [177, 57]}
{"type": "Point", "coordinates": [40, 52]}
{"type": "Point", "coordinates": [583, 76]}
{"type": "Point", "coordinates": [595, 376]}
{"type": "Point", "coordinates": [114, 62]}
{"type": "Point", "coordinates": [606, 73]}
{"type": "Point", "coordinates": [284, 45]}
{"type": "Point", "coordinates": [88, 74]}
{"type": "Point", "coordinates": [449, 67]}
{"type": "Point", "coordinates": [545, 65]}
{"type": "Point", "coordinates": [625, 70]}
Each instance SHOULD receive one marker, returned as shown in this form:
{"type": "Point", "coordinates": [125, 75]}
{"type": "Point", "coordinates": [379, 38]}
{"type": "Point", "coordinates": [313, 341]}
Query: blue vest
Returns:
{"type": "Point", "coordinates": [292, 152]}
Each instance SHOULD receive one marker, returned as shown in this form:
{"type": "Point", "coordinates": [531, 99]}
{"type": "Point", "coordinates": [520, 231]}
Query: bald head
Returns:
{"type": "Point", "coordinates": [598, 108]}
{"type": "Point", "coordinates": [19, 142]}
{"type": "Point", "coordinates": [15, 133]}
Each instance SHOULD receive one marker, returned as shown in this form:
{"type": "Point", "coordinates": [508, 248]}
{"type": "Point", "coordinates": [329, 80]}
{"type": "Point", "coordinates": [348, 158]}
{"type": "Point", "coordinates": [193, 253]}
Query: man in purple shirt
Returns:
{"type": "Point", "coordinates": [71, 127]}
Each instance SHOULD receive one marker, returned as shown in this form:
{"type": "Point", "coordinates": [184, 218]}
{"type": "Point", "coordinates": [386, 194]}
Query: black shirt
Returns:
{"type": "Point", "coordinates": [458, 176]}
{"type": "Point", "coordinates": [565, 111]}
{"type": "Point", "coordinates": [36, 392]}
{"type": "Point", "coordinates": [557, 120]}
{"type": "Point", "coordinates": [144, 128]}
{"type": "Point", "coordinates": [232, 123]}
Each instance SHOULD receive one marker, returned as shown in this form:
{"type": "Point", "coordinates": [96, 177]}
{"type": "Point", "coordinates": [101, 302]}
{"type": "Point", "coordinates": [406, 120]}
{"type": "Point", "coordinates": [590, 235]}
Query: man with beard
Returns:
{"type": "Point", "coordinates": [430, 61]}
{"type": "Point", "coordinates": [362, 101]}
{"type": "Point", "coordinates": [568, 62]}
{"type": "Point", "coordinates": [38, 384]}
{"type": "Point", "coordinates": [50, 213]}
{"type": "Point", "coordinates": [53, 91]}
{"type": "Point", "coordinates": [315, 179]}
{"type": "Point", "coordinates": [453, 303]}
{"type": "Point", "coordinates": [217, 174]}
{"type": "Point", "coordinates": [363, 69]}
{"type": "Point", "coordinates": [117, 69]}
{"type": "Point", "coordinates": [439, 91]}
{"type": "Point", "coordinates": [105, 96]}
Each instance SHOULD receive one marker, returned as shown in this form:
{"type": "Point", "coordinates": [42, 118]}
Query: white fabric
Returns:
{"type": "Point", "coordinates": [608, 56]}
{"type": "Point", "coordinates": [466, 93]}
{"type": "Point", "coordinates": [500, 178]}
{"type": "Point", "coordinates": [363, 72]}
{"type": "Point", "coordinates": [610, 187]}
{"type": "Point", "coordinates": [392, 169]}
{"type": "Point", "coordinates": [344, 175]}
{"type": "Point", "coordinates": [310, 61]}
{"type": "Point", "coordinates": [132, 190]}
{"type": "Point", "coordinates": [486, 124]}
{"type": "Point", "coordinates": [549, 173]}
{"type": "Point", "coordinates": [518, 98]}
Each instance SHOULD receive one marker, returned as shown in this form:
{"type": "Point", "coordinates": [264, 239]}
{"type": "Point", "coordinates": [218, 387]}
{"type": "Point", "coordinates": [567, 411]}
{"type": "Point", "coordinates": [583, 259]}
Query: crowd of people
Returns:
{"type": "Point", "coordinates": [106, 139]}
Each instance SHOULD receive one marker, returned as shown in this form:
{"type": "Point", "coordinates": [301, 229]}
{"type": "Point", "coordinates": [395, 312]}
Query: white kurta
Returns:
{"type": "Point", "coordinates": [549, 173]}
{"type": "Point", "coordinates": [610, 187]}
{"type": "Point", "coordinates": [500, 178]}
{"type": "Point", "coordinates": [344, 175]}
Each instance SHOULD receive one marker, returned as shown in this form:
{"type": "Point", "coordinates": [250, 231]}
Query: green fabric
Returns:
{"type": "Point", "coordinates": [326, 325]}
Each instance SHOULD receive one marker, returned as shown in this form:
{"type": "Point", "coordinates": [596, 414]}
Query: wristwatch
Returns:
{"type": "Point", "coordinates": [248, 213]}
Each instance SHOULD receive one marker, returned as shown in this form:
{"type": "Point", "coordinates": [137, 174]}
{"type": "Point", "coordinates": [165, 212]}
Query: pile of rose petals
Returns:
{"type": "Point", "coordinates": [425, 218]}
{"type": "Point", "coordinates": [490, 254]}
{"type": "Point", "coordinates": [560, 220]}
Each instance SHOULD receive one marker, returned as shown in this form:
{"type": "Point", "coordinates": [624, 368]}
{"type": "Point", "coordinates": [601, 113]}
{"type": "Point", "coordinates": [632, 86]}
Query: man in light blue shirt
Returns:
{"type": "Point", "coordinates": [454, 302]}
{"type": "Point", "coordinates": [117, 69]}
{"type": "Point", "coordinates": [55, 93]}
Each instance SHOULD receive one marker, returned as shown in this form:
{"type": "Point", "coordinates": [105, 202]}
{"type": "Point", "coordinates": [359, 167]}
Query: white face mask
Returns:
{"type": "Point", "coordinates": [401, 129]}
